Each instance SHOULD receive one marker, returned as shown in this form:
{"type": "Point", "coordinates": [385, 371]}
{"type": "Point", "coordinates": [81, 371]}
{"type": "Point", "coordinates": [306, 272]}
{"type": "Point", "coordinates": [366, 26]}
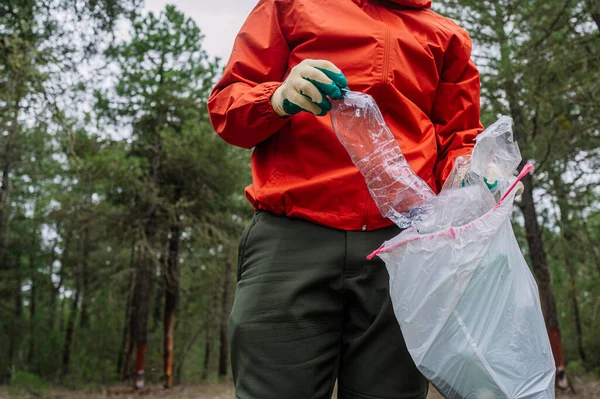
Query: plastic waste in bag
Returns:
{"type": "Point", "coordinates": [455, 207]}
{"type": "Point", "coordinates": [397, 190]}
{"type": "Point", "coordinates": [469, 308]}
{"type": "Point", "coordinates": [477, 181]}
{"type": "Point", "coordinates": [496, 155]}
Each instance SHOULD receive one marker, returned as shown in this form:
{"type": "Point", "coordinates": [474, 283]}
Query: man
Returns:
{"type": "Point", "coordinates": [309, 309]}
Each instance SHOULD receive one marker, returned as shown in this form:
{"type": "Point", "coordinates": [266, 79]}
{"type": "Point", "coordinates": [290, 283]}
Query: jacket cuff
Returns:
{"type": "Point", "coordinates": [265, 107]}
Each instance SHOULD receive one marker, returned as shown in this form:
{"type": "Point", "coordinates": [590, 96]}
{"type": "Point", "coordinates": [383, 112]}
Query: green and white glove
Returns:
{"type": "Point", "coordinates": [307, 87]}
{"type": "Point", "coordinates": [492, 183]}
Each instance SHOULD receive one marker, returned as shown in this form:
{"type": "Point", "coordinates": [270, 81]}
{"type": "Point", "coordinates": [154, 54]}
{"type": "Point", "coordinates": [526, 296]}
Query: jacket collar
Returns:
{"type": "Point", "coordinates": [405, 3]}
{"type": "Point", "coordinates": [412, 3]}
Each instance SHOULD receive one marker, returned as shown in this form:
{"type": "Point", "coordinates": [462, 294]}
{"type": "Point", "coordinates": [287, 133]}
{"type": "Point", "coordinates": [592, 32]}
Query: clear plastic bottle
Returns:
{"type": "Point", "coordinates": [398, 192]}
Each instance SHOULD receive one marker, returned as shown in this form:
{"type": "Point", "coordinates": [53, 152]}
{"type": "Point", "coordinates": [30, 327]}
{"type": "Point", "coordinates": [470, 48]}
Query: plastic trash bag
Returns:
{"type": "Point", "coordinates": [464, 297]}
{"type": "Point", "coordinates": [469, 309]}
{"type": "Point", "coordinates": [397, 190]}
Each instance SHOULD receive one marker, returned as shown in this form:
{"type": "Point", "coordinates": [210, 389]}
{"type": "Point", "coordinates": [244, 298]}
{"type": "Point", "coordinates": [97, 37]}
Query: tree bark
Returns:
{"type": "Point", "coordinates": [213, 302]}
{"type": "Point", "coordinates": [141, 302]}
{"type": "Point", "coordinates": [4, 189]}
{"type": "Point", "coordinates": [568, 235]}
{"type": "Point", "coordinates": [84, 320]}
{"type": "Point", "coordinates": [15, 328]}
{"type": "Point", "coordinates": [159, 303]}
{"type": "Point", "coordinates": [55, 290]}
{"type": "Point", "coordinates": [61, 315]}
{"type": "Point", "coordinates": [72, 314]}
{"type": "Point", "coordinates": [539, 265]}
{"type": "Point", "coordinates": [143, 286]}
{"type": "Point", "coordinates": [592, 246]}
{"type": "Point", "coordinates": [573, 291]}
{"type": "Point", "coordinates": [10, 142]}
{"type": "Point", "coordinates": [33, 294]}
{"type": "Point", "coordinates": [171, 299]}
{"type": "Point", "coordinates": [124, 357]}
{"type": "Point", "coordinates": [223, 341]}
{"type": "Point", "coordinates": [32, 314]}
{"type": "Point", "coordinates": [575, 304]}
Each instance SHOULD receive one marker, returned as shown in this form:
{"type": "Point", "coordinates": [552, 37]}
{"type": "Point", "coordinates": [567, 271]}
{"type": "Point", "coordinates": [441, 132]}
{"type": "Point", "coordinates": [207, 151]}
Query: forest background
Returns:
{"type": "Point", "coordinates": [121, 209]}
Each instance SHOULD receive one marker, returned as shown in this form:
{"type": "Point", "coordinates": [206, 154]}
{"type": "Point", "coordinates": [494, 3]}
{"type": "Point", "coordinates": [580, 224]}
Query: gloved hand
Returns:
{"type": "Point", "coordinates": [519, 188]}
{"type": "Point", "coordinates": [307, 87]}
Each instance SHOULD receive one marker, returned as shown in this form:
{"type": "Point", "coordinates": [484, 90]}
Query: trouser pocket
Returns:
{"type": "Point", "coordinates": [244, 244]}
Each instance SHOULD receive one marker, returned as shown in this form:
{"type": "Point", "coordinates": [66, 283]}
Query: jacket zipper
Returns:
{"type": "Point", "coordinates": [386, 61]}
{"type": "Point", "coordinates": [386, 47]}
{"type": "Point", "coordinates": [364, 228]}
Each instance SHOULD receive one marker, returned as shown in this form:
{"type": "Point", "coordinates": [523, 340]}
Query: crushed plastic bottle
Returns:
{"type": "Point", "coordinates": [399, 193]}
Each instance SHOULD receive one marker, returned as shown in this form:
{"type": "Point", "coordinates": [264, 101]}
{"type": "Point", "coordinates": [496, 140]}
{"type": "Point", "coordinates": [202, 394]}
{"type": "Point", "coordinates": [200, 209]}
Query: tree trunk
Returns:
{"type": "Point", "coordinates": [141, 302]}
{"type": "Point", "coordinates": [72, 314]}
{"type": "Point", "coordinates": [5, 188]}
{"type": "Point", "coordinates": [55, 290]}
{"type": "Point", "coordinates": [11, 141]}
{"type": "Point", "coordinates": [573, 291]}
{"type": "Point", "coordinates": [576, 315]}
{"type": "Point", "coordinates": [213, 302]}
{"type": "Point", "coordinates": [32, 315]}
{"type": "Point", "coordinates": [223, 341]}
{"type": "Point", "coordinates": [569, 249]}
{"type": "Point", "coordinates": [171, 298]}
{"type": "Point", "coordinates": [15, 328]}
{"type": "Point", "coordinates": [207, 350]}
{"type": "Point", "coordinates": [539, 265]}
{"type": "Point", "coordinates": [124, 357]}
{"type": "Point", "coordinates": [140, 309]}
{"type": "Point", "coordinates": [158, 307]}
{"type": "Point", "coordinates": [84, 320]}
{"type": "Point", "coordinates": [129, 346]}
{"type": "Point", "coordinates": [592, 246]}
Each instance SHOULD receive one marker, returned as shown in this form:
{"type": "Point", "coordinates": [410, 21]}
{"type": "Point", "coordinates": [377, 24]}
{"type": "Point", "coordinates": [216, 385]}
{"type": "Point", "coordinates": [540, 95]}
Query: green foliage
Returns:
{"type": "Point", "coordinates": [27, 385]}
{"type": "Point", "coordinates": [84, 186]}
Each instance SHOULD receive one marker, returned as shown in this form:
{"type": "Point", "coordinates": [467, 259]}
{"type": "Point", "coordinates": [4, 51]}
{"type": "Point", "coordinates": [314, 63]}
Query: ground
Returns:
{"type": "Point", "coordinates": [587, 389]}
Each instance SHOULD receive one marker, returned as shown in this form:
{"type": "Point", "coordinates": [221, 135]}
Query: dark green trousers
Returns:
{"type": "Point", "coordinates": [310, 309]}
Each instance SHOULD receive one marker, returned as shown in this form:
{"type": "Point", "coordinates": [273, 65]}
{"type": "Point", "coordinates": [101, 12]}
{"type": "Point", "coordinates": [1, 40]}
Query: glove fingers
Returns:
{"type": "Point", "coordinates": [303, 103]}
{"type": "Point", "coordinates": [337, 77]}
{"type": "Point", "coordinates": [324, 64]}
{"type": "Point", "coordinates": [332, 72]}
{"type": "Point", "coordinates": [308, 89]}
{"type": "Point", "coordinates": [324, 83]}
{"type": "Point", "coordinates": [311, 91]}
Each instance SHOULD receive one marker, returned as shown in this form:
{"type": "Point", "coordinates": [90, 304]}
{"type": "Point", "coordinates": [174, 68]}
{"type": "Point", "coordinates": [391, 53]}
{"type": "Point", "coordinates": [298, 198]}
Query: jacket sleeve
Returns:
{"type": "Point", "coordinates": [456, 108]}
{"type": "Point", "coordinates": [239, 105]}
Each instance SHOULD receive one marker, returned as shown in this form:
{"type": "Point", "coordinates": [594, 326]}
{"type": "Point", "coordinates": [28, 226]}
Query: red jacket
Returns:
{"type": "Point", "coordinates": [414, 62]}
